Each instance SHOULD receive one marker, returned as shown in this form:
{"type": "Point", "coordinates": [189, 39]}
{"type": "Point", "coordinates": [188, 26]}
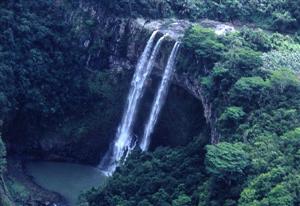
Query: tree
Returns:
{"type": "Point", "coordinates": [257, 39]}
{"type": "Point", "coordinates": [248, 92]}
{"type": "Point", "coordinates": [243, 59]}
{"type": "Point", "coordinates": [280, 196]}
{"type": "Point", "coordinates": [262, 186]}
{"type": "Point", "coordinates": [283, 21]}
{"type": "Point", "coordinates": [182, 200]}
{"type": "Point", "coordinates": [276, 60]}
{"type": "Point", "coordinates": [226, 160]}
{"type": "Point", "coordinates": [232, 117]}
{"type": "Point", "coordinates": [284, 79]}
{"type": "Point", "coordinates": [204, 42]}
{"type": "Point", "coordinates": [289, 144]}
{"type": "Point", "coordinates": [2, 157]}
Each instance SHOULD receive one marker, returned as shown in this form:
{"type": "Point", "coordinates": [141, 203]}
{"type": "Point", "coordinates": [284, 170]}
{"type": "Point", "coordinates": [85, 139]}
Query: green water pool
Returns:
{"type": "Point", "coordinates": [67, 179]}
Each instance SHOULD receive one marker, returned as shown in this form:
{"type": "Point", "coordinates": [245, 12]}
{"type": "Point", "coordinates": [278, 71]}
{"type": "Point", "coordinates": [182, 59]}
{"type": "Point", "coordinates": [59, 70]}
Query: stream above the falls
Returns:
{"type": "Point", "coordinates": [66, 179]}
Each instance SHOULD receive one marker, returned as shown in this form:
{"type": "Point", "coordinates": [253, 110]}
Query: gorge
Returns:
{"type": "Point", "coordinates": [178, 103]}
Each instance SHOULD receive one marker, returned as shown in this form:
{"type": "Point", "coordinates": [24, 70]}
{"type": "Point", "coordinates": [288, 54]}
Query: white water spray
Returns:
{"type": "Point", "coordinates": [159, 98]}
{"type": "Point", "coordinates": [124, 142]}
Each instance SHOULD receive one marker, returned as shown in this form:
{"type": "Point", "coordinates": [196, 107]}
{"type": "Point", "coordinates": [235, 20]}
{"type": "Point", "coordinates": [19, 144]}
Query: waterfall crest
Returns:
{"type": "Point", "coordinates": [124, 141]}
{"type": "Point", "coordinates": [159, 98]}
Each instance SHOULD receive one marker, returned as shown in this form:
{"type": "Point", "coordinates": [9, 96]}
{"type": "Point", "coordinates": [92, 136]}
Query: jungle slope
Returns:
{"type": "Point", "coordinates": [251, 79]}
{"type": "Point", "coordinates": [54, 80]}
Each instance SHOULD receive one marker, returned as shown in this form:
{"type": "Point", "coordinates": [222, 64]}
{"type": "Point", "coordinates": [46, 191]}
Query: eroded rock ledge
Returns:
{"type": "Point", "coordinates": [128, 40]}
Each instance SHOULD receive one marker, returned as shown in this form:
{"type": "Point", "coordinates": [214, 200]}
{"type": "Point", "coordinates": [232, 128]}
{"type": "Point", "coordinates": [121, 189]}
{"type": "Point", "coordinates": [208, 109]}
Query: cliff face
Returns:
{"type": "Point", "coordinates": [126, 41]}
{"type": "Point", "coordinates": [113, 44]}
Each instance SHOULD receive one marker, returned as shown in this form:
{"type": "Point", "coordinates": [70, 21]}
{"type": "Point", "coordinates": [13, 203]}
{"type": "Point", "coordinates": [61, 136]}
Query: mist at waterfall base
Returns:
{"type": "Point", "coordinates": [125, 141]}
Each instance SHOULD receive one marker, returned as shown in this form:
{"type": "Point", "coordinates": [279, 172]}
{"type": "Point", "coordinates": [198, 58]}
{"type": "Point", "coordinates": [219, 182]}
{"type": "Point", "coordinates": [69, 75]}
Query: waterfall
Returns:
{"type": "Point", "coordinates": [159, 98]}
{"type": "Point", "coordinates": [124, 141]}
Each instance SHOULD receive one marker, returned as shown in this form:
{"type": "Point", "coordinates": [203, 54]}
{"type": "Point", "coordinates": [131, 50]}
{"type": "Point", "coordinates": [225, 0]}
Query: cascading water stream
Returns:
{"type": "Point", "coordinates": [124, 141]}
{"type": "Point", "coordinates": [159, 98]}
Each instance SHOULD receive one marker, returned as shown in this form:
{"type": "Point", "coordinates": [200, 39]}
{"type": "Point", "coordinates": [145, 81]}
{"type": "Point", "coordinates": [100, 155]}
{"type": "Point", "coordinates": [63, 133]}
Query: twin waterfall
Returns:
{"type": "Point", "coordinates": [124, 141]}
{"type": "Point", "coordinates": [159, 99]}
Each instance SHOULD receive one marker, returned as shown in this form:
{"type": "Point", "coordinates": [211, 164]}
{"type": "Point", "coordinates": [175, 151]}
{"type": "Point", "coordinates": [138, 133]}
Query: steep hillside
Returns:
{"type": "Point", "coordinates": [227, 135]}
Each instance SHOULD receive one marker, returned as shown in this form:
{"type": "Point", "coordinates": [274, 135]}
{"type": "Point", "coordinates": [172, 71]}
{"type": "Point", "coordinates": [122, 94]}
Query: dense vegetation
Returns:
{"type": "Point", "coordinates": [250, 77]}
{"type": "Point", "coordinates": [272, 14]}
{"type": "Point", "coordinates": [46, 84]}
{"type": "Point", "coordinates": [166, 176]}
{"type": "Point", "coordinates": [45, 80]}
{"type": "Point", "coordinates": [257, 108]}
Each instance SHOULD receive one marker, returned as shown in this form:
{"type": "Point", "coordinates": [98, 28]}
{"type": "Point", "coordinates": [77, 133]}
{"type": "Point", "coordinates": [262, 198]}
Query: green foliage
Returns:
{"type": "Point", "coordinates": [280, 15]}
{"type": "Point", "coordinates": [277, 14]}
{"type": "Point", "coordinates": [17, 190]}
{"type": "Point", "coordinates": [49, 79]}
{"type": "Point", "coordinates": [257, 106]}
{"type": "Point", "coordinates": [2, 157]}
{"type": "Point", "coordinates": [268, 189]}
{"type": "Point", "coordinates": [281, 59]}
{"type": "Point", "coordinates": [182, 200]}
{"type": "Point", "coordinates": [256, 111]}
{"type": "Point", "coordinates": [38, 59]}
{"type": "Point", "coordinates": [205, 43]}
{"type": "Point", "coordinates": [243, 59]}
{"type": "Point", "coordinates": [167, 176]}
{"type": "Point", "coordinates": [153, 8]}
{"type": "Point", "coordinates": [204, 194]}
{"type": "Point", "coordinates": [226, 160]}
{"type": "Point", "coordinates": [257, 39]}
{"type": "Point", "coordinates": [283, 21]}
{"type": "Point", "coordinates": [231, 118]}
{"type": "Point", "coordinates": [4, 200]}
{"type": "Point", "coordinates": [288, 144]}
{"type": "Point", "coordinates": [248, 92]}
{"type": "Point", "coordinates": [274, 161]}
{"type": "Point", "coordinates": [274, 14]}
{"type": "Point", "coordinates": [232, 114]}
{"type": "Point", "coordinates": [284, 79]}
{"type": "Point", "coordinates": [249, 79]}
{"type": "Point", "coordinates": [280, 196]}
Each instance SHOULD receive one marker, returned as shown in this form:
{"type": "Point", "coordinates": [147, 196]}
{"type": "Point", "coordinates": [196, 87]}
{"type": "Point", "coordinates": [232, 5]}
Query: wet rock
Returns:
{"type": "Point", "coordinates": [129, 38]}
{"type": "Point", "coordinates": [126, 39]}
{"type": "Point", "coordinates": [87, 43]}
{"type": "Point", "coordinates": [220, 28]}
{"type": "Point", "coordinates": [176, 28]}
{"type": "Point", "coordinates": [173, 27]}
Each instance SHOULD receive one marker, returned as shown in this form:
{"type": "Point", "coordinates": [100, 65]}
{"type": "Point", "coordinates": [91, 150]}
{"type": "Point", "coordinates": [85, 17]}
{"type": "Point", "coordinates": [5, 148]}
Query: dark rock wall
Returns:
{"type": "Point", "coordinates": [114, 44]}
